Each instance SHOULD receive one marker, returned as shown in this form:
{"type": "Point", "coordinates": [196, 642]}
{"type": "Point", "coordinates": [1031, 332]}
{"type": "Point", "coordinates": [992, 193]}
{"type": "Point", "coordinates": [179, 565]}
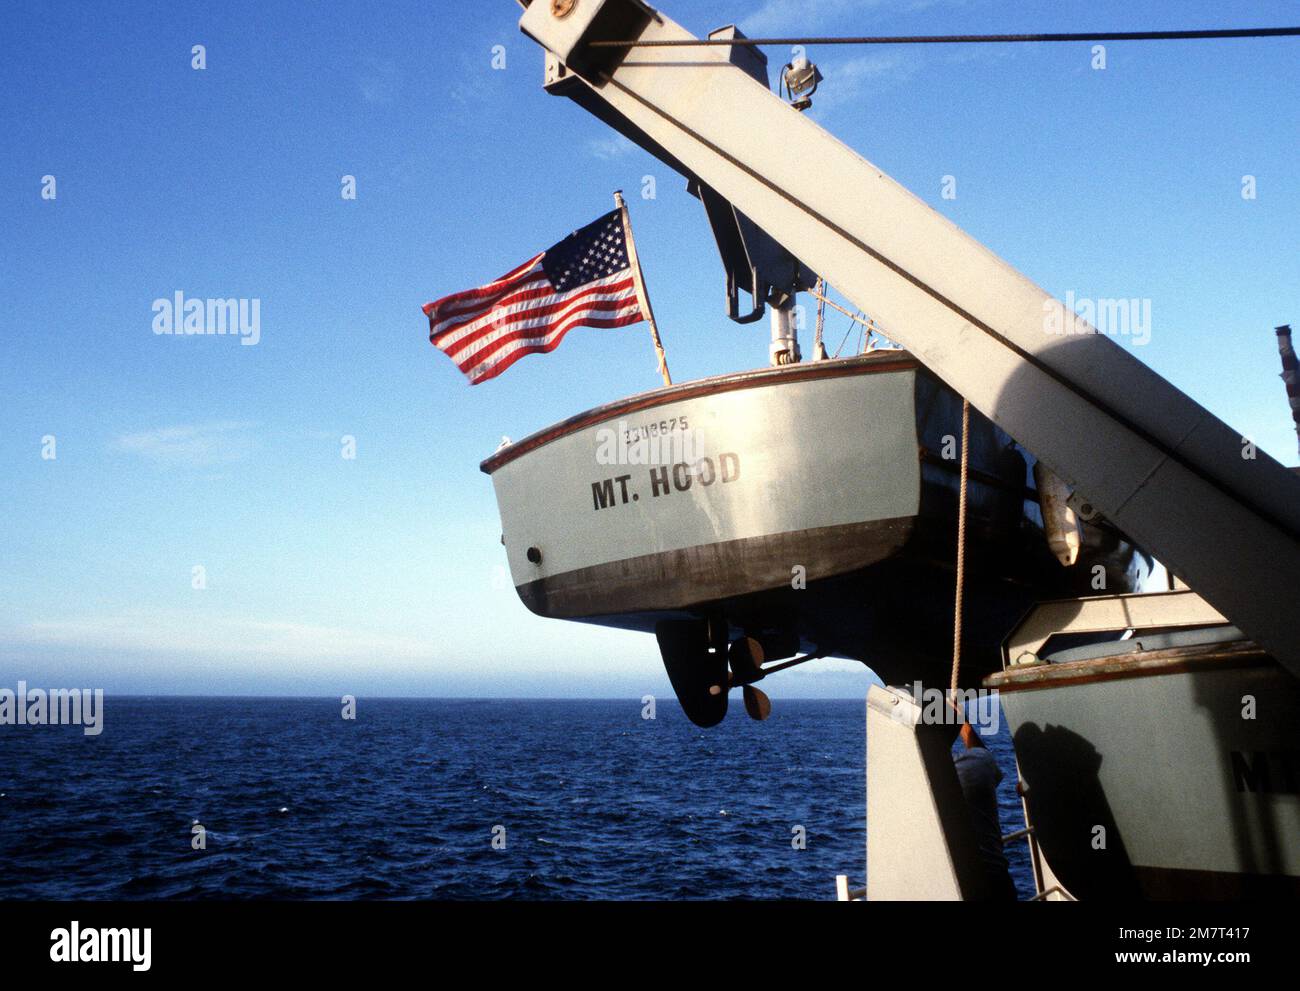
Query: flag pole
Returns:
{"type": "Point", "coordinates": [1290, 371]}
{"type": "Point", "coordinates": [642, 295]}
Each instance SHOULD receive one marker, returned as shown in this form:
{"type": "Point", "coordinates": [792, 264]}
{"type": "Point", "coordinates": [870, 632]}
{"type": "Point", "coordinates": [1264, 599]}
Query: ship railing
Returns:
{"type": "Point", "coordinates": [843, 893]}
{"type": "Point", "coordinates": [1019, 834]}
{"type": "Point", "coordinates": [1054, 894]}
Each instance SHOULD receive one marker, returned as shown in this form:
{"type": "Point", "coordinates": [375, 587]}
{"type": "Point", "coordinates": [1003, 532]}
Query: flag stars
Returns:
{"type": "Point", "coordinates": [595, 252]}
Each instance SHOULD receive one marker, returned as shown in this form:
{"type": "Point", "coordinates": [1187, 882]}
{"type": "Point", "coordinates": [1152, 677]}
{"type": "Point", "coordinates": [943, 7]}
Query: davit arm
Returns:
{"type": "Point", "coordinates": [1168, 473]}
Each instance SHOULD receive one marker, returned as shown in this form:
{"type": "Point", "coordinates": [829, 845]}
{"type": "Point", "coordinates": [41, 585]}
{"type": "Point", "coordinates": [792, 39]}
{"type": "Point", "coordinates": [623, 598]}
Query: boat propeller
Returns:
{"type": "Point", "coordinates": [745, 658]}
{"type": "Point", "coordinates": [757, 705]}
{"type": "Point", "coordinates": [703, 671]}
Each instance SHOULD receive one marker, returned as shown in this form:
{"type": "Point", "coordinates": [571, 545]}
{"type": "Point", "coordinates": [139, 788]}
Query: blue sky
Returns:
{"type": "Point", "coordinates": [382, 574]}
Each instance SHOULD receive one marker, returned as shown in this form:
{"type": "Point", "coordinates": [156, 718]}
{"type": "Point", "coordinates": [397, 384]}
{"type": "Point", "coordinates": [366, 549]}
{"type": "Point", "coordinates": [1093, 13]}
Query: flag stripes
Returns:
{"type": "Point", "coordinates": [584, 280]}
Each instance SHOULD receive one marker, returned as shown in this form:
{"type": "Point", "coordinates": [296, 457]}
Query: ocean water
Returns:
{"type": "Point", "coordinates": [595, 801]}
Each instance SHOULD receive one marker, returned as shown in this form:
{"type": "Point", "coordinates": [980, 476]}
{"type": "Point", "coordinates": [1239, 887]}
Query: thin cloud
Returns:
{"type": "Point", "coordinates": [855, 75]}
{"type": "Point", "coordinates": [784, 17]}
{"type": "Point", "coordinates": [610, 147]}
{"type": "Point", "coordinates": [855, 80]}
{"type": "Point", "coordinates": [185, 632]}
{"type": "Point", "coordinates": [195, 445]}
{"type": "Point", "coordinates": [379, 81]}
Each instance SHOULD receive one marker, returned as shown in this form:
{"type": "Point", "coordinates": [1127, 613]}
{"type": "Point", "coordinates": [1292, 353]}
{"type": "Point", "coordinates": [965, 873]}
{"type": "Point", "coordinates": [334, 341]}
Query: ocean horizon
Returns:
{"type": "Point", "coordinates": [278, 797]}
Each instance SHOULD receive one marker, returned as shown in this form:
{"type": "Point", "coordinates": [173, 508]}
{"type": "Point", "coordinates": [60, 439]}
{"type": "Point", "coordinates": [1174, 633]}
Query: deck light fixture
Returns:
{"type": "Point", "coordinates": [800, 78]}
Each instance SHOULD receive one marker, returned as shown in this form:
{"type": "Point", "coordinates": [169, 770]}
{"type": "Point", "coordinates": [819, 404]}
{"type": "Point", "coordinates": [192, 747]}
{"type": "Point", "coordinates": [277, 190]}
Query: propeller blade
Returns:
{"type": "Point", "coordinates": [757, 704]}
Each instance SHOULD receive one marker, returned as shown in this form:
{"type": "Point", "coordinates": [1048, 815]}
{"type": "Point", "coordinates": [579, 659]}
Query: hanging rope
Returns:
{"type": "Point", "coordinates": [961, 542]}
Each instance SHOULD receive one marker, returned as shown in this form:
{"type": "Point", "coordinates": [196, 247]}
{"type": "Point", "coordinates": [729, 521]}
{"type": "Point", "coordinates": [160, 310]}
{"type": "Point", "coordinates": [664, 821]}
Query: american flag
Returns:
{"type": "Point", "coordinates": [586, 279]}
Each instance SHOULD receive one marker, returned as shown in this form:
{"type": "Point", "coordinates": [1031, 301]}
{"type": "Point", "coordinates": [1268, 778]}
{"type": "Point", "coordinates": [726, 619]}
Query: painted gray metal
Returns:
{"type": "Point", "coordinates": [920, 846]}
{"type": "Point", "coordinates": [1165, 470]}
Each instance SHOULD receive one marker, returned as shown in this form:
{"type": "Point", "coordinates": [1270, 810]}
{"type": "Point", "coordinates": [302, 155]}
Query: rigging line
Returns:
{"type": "Point", "coordinates": [854, 318]}
{"type": "Point", "coordinates": [830, 302]}
{"type": "Point", "coordinates": [961, 39]}
{"type": "Point", "coordinates": [868, 322]}
{"type": "Point", "coordinates": [846, 338]}
{"type": "Point", "coordinates": [961, 543]}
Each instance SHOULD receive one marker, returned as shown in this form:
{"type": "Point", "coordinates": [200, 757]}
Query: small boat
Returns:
{"type": "Point", "coordinates": [1158, 763]}
{"type": "Point", "coordinates": [806, 508]}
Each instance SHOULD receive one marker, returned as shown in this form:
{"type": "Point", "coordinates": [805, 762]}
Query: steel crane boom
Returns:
{"type": "Point", "coordinates": [1189, 489]}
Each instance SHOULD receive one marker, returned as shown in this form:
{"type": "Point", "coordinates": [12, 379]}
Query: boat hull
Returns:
{"type": "Point", "coordinates": [817, 500]}
{"type": "Point", "coordinates": [1152, 776]}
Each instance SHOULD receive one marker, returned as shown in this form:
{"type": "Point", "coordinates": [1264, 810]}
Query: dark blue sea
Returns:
{"type": "Point", "coordinates": [596, 802]}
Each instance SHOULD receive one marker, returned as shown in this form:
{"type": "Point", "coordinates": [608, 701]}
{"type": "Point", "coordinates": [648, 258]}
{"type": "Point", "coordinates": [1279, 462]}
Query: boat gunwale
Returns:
{"type": "Point", "coordinates": [1138, 664]}
{"type": "Point", "coordinates": [884, 360]}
